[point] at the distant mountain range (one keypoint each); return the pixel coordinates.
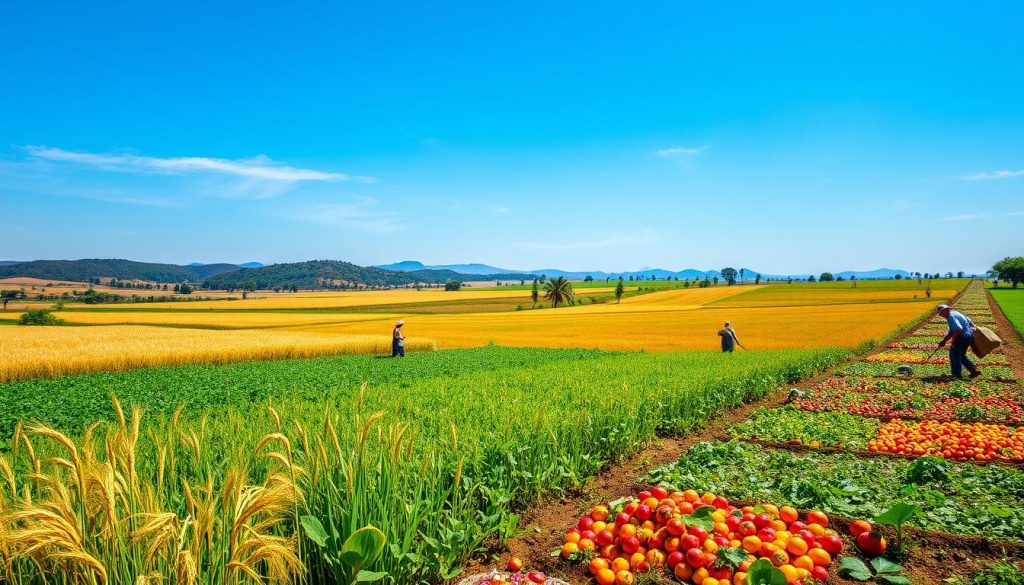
(336, 273)
(643, 273)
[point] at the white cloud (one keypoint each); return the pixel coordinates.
(993, 175)
(500, 210)
(967, 217)
(680, 151)
(359, 216)
(260, 167)
(616, 242)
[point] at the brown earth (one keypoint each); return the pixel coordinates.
(932, 558)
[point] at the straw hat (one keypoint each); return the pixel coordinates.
(399, 323)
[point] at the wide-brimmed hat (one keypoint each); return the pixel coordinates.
(399, 323)
(941, 308)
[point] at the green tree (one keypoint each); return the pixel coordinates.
(588, 279)
(1011, 269)
(810, 278)
(185, 289)
(757, 279)
(743, 272)
(535, 292)
(826, 277)
(729, 274)
(452, 285)
(716, 280)
(39, 317)
(6, 296)
(620, 288)
(558, 291)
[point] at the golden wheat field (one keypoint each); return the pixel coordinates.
(118, 337)
(31, 352)
(333, 299)
(655, 328)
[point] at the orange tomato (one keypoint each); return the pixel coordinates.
(683, 571)
(623, 578)
(797, 546)
(788, 514)
(605, 577)
(597, 563)
(816, 517)
(803, 562)
(752, 544)
(691, 496)
(569, 549)
(820, 557)
(620, 564)
(790, 572)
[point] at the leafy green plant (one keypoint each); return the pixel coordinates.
(896, 517)
(880, 569)
(763, 572)
(347, 559)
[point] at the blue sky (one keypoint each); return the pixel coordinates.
(784, 136)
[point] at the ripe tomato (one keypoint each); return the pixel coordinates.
(871, 542)
(858, 526)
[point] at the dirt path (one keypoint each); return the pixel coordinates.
(544, 524)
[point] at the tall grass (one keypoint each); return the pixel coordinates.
(439, 462)
(33, 352)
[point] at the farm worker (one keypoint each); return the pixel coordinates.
(961, 333)
(728, 336)
(398, 340)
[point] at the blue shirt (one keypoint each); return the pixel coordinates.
(959, 322)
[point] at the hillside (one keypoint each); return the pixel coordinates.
(83, 270)
(312, 274)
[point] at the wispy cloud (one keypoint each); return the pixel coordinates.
(616, 242)
(680, 151)
(260, 167)
(498, 209)
(967, 217)
(993, 175)
(357, 216)
(983, 215)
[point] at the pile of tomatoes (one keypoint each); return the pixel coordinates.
(701, 539)
(952, 440)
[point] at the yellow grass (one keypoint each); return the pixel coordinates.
(29, 352)
(211, 320)
(781, 295)
(334, 299)
(651, 329)
(766, 317)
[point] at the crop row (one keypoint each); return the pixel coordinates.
(975, 499)
(973, 401)
(437, 452)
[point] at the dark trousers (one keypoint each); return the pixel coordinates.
(958, 359)
(397, 349)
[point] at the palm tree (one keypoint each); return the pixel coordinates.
(558, 290)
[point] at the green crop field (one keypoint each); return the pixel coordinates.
(1011, 301)
(437, 450)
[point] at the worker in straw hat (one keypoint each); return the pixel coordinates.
(961, 333)
(729, 339)
(398, 340)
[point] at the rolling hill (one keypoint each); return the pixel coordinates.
(83, 270)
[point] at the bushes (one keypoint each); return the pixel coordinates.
(39, 317)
